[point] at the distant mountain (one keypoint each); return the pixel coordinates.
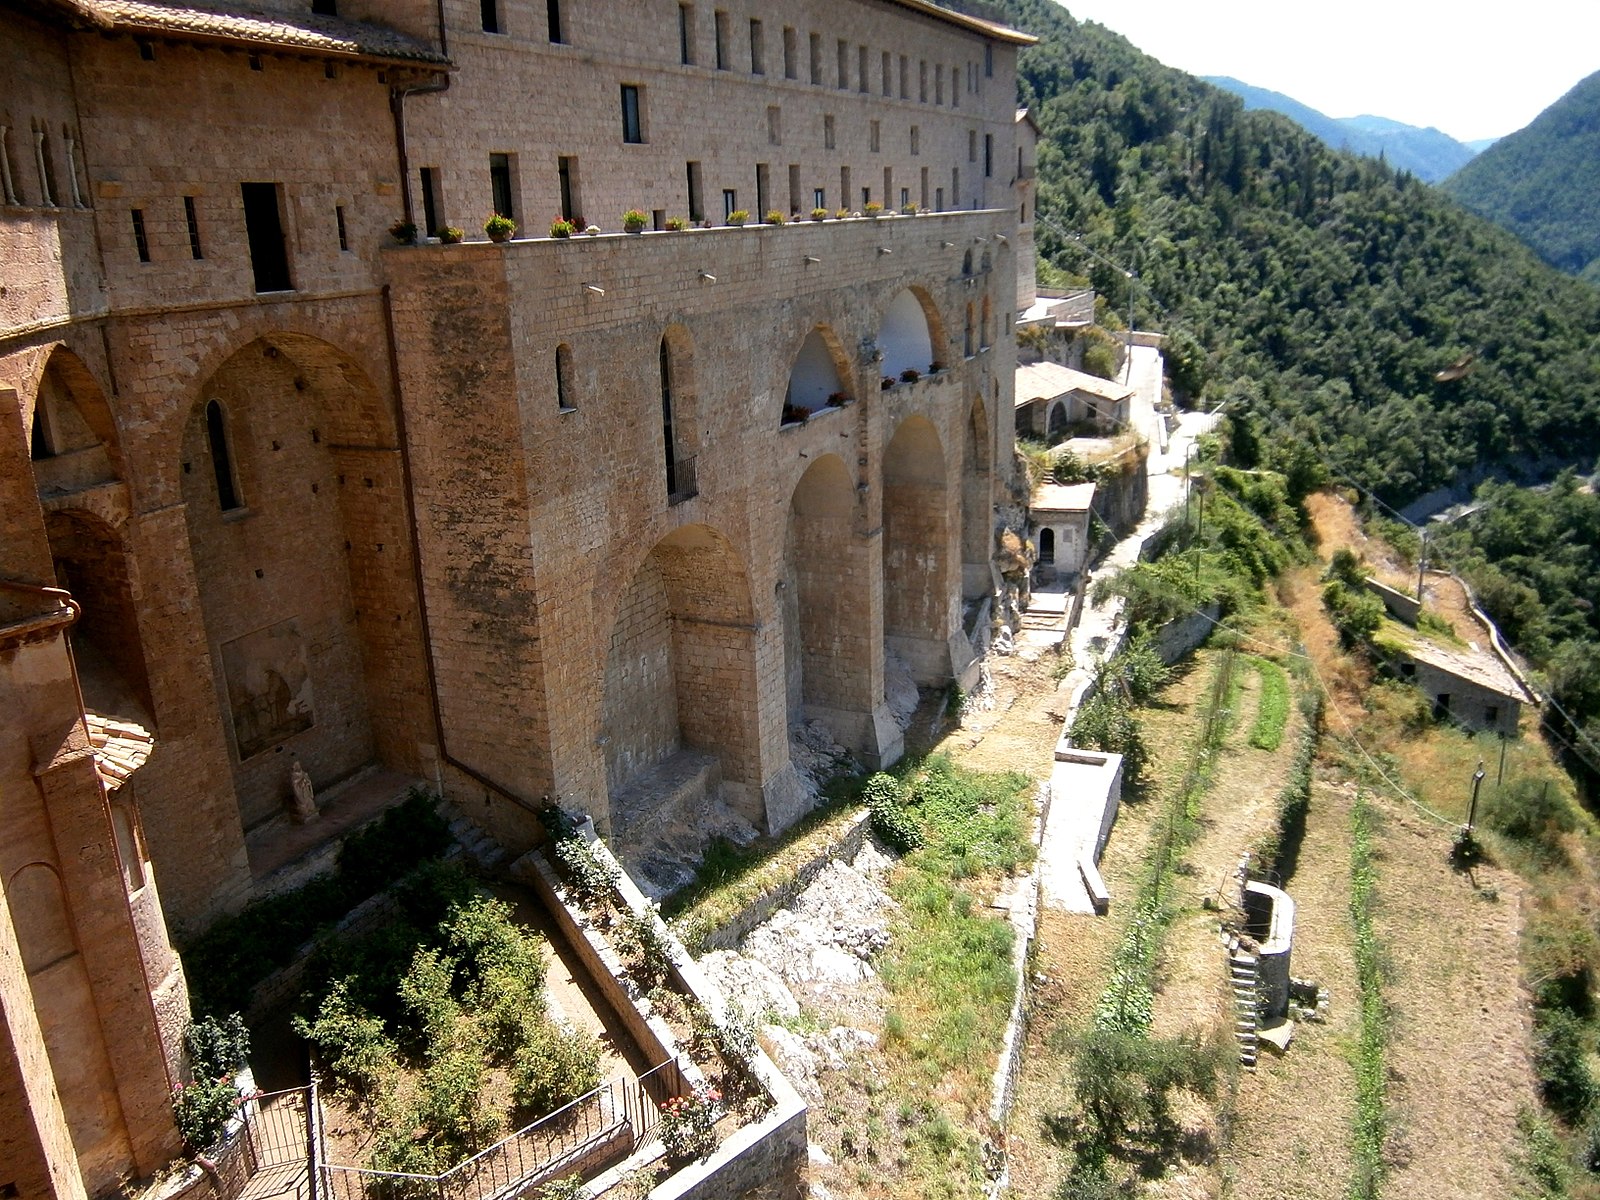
(1426, 153)
(1543, 182)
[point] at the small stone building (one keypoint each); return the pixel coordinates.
(1463, 683)
(1058, 518)
(1051, 401)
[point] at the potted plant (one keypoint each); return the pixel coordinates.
(404, 232)
(887, 383)
(872, 208)
(776, 217)
(910, 375)
(677, 224)
(634, 220)
(935, 367)
(449, 235)
(499, 228)
(838, 399)
(562, 228)
(793, 414)
(908, 209)
(738, 216)
(842, 214)
(819, 214)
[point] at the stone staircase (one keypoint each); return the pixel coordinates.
(480, 850)
(1245, 979)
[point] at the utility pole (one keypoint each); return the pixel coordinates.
(1501, 778)
(1477, 782)
(1188, 486)
(1422, 562)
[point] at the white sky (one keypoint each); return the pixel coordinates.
(1467, 67)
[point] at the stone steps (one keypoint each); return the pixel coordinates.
(1245, 980)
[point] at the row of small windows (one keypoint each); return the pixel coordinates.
(853, 63)
(493, 19)
(264, 234)
(46, 189)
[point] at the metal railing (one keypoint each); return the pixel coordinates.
(681, 483)
(623, 1110)
(273, 1151)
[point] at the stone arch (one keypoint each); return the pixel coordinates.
(39, 911)
(910, 333)
(305, 590)
(968, 342)
(818, 373)
(977, 505)
(1056, 425)
(1047, 546)
(92, 562)
(678, 709)
(72, 435)
(916, 553)
(680, 424)
(815, 599)
(985, 328)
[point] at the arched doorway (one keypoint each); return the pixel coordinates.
(298, 529)
(92, 563)
(917, 592)
(678, 716)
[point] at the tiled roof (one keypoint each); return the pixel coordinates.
(994, 29)
(1062, 497)
(1047, 380)
(272, 30)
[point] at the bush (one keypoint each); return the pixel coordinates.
(1530, 811)
(888, 820)
(554, 1067)
(688, 1124)
(351, 1041)
(645, 949)
(1356, 614)
(1560, 1060)
(201, 1110)
(1124, 1084)
(216, 1047)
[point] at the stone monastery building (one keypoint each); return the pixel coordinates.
(598, 519)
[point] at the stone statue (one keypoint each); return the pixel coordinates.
(304, 810)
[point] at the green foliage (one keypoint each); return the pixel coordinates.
(687, 1127)
(972, 824)
(1356, 613)
(1561, 1050)
(1371, 1123)
(1124, 1084)
(450, 1102)
(554, 1066)
(225, 964)
(1529, 810)
(351, 1041)
(644, 948)
(1543, 1159)
(201, 1110)
(217, 1047)
(1105, 721)
(1098, 359)
(1272, 707)
(890, 823)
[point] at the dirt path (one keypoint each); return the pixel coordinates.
(1291, 1131)
(1019, 731)
(1459, 1034)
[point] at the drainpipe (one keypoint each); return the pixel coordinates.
(397, 106)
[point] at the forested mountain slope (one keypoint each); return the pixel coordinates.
(1543, 182)
(1322, 293)
(1426, 153)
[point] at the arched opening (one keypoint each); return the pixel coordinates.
(1047, 546)
(1056, 426)
(816, 380)
(92, 563)
(977, 506)
(221, 457)
(904, 338)
(307, 595)
(678, 717)
(565, 400)
(967, 343)
(984, 326)
(679, 434)
(69, 1019)
(917, 596)
(72, 438)
(966, 263)
(816, 608)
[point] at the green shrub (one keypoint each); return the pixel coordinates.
(1530, 811)
(351, 1041)
(645, 949)
(425, 995)
(554, 1067)
(1560, 1060)
(888, 819)
(1125, 1083)
(1272, 709)
(217, 1047)
(450, 1102)
(201, 1110)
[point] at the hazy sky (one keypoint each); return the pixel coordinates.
(1472, 69)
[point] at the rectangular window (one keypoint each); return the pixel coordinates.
(430, 200)
(905, 197)
(730, 202)
(774, 125)
(344, 233)
(686, 34)
(866, 197)
(844, 186)
(632, 115)
(141, 243)
(721, 19)
(938, 200)
(888, 185)
(758, 49)
(922, 199)
(827, 132)
(816, 59)
(905, 77)
(763, 191)
(490, 11)
(972, 145)
(567, 176)
(874, 135)
(888, 73)
(955, 187)
(790, 53)
(938, 83)
(192, 220)
(916, 140)
(819, 197)
(697, 208)
(794, 188)
(263, 225)
(922, 81)
(552, 16)
(502, 193)
(955, 86)
(862, 85)
(988, 61)
(844, 64)
(988, 155)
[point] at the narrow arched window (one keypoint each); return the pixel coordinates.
(968, 345)
(667, 435)
(564, 398)
(1047, 546)
(221, 459)
(39, 441)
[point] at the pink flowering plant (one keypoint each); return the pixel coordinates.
(688, 1123)
(217, 1052)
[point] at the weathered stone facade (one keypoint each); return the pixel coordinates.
(529, 519)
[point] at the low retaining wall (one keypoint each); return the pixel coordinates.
(1401, 606)
(1177, 638)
